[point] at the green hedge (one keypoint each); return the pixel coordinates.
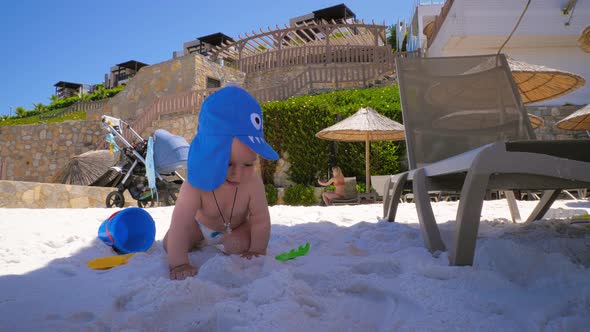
(291, 125)
(272, 194)
(300, 194)
(79, 116)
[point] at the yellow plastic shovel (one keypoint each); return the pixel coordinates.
(105, 263)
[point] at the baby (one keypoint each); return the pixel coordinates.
(223, 201)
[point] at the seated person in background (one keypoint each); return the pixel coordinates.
(338, 181)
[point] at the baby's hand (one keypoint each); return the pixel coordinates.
(182, 271)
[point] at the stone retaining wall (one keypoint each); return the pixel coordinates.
(551, 115)
(36, 152)
(283, 75)
(35, 195)
(178, 75)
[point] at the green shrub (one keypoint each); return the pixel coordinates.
(272, 194)
(11, 121)
(24, 117)
(300, 194)
(361, 187)
(291, 125)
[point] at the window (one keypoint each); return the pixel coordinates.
(213, 83)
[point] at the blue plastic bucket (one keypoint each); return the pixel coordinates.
(129, 230)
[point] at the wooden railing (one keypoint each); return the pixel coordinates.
(291, 88)
(182, 103)
(410, 54)
(362, 73)
(438, 21)
(83, 105)
(318, 54)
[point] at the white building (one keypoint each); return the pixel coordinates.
(547, 34)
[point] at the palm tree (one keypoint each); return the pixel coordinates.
(39, 108)
(20, 111)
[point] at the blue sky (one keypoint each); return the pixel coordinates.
(44, 42)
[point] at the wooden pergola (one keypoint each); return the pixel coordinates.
(326, 34)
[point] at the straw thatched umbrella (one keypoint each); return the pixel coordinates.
(85, 168)
(366, 125)
(534, 82)
(536, 121)
(428, 29)
(482, 118)
(537, 83)
(579, 120)
(584, 40)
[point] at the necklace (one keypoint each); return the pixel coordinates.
(228, 224)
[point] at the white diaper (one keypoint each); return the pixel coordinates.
(211, 237)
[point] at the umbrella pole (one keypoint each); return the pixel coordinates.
(367, 177)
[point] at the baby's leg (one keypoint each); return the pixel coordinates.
(238, 241)
(196, 237)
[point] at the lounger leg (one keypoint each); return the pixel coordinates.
(393, 191)
(387, 196)
(430, 231)
(512, 206)
(549, 196)
(468, 217)
(567, 193)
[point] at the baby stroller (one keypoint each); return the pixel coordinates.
(170, 153)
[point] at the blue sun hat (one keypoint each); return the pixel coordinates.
(230, 112)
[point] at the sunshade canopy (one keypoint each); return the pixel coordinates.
(534, 82)
(579, 120)
(85, 168)
(536, 121)
(584, 40)
(365, 125)
(537, 83)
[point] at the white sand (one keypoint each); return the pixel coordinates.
(361, 274)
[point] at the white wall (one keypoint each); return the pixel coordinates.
(426, 14)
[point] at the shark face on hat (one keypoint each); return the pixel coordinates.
(230, 112)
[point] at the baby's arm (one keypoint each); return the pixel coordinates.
(179, 234)
(259, 220)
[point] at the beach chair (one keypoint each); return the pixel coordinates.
(467, 132)
(351, 194)
(378, 183)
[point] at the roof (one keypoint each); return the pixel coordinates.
(132, 64)
(335, 12)
(68, 85)
(215, 38)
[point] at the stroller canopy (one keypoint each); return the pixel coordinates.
(170, 151)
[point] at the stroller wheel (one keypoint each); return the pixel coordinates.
(115, 199)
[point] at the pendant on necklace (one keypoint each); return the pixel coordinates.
(227, 229)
